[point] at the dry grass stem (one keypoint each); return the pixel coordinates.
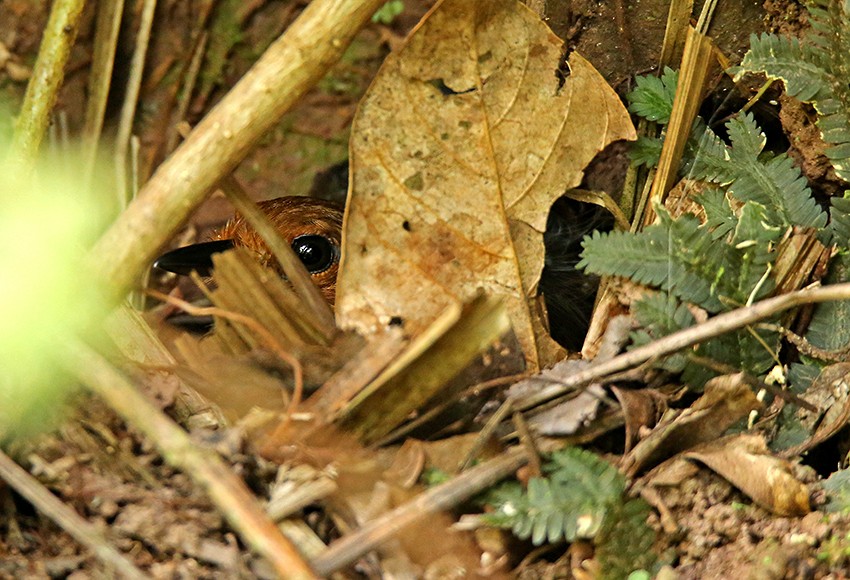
(131, 98)
(103, 60)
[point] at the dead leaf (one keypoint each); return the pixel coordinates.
(642, 408)
(831, 392)
(567, 417)
(745, 462)
(464, 140)
(726, 400)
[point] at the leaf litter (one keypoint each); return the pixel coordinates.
(398, 235)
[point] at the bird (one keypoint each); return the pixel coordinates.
(313, 227)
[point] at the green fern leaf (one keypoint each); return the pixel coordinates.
(646, 151)
(838, 232)
(752, 255)
(675, 255)
(572, 502)
(789, 60)
(659, 315)
(776, 184)
(625, 543)
(720, 218)
(816, 71)
(829, 328)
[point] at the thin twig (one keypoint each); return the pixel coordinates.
(347, 549)
(484, 435)
(206, 468)
(65, 517)
(720, 324)
(100, 78)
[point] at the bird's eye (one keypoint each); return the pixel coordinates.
(316, 252)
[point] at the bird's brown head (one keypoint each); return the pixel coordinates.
(313, 227)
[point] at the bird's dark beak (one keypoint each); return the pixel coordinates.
(197, 257)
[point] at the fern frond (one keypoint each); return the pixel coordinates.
(659, 315)
(675, 255)
(572, 502)
(829, 328)
(789, 60)
(839, 222)
(625, 543)
(720, 218)
(753, 255)
(776, 184)
(815, 71)
(646, 151)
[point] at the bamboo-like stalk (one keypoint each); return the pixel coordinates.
(207, 469)
(47, 76)
(100, 78)
(128, 108)
(694, 70)
(291, 65)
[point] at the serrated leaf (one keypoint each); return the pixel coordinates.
(653, 97)
(839, 222)
(719, 216)
(779, 57)
(814, 70)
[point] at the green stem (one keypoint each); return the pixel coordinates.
(47, 77)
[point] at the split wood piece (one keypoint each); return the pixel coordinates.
(291, 65)
(433, 358)
(319, 312)
(363, 368)
(689, 91)
(246, 287)
(206, 468)
(675, 33)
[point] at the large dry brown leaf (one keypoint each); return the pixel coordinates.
(459, 148)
